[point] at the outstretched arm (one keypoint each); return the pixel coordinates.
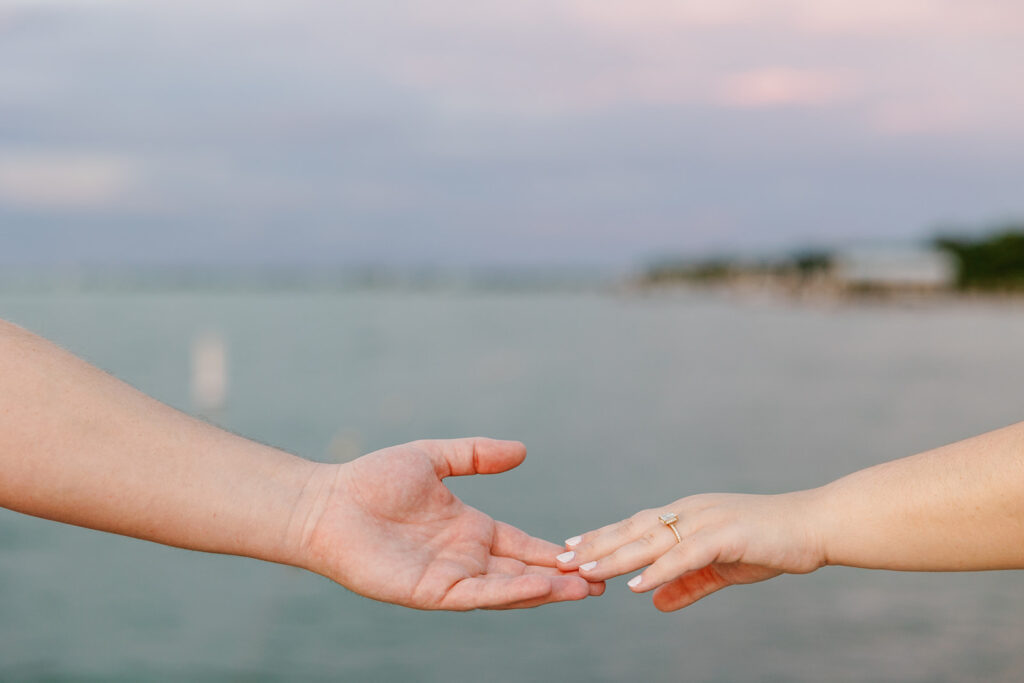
(79, 446)
(955, 508)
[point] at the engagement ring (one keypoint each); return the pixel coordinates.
(669, 519)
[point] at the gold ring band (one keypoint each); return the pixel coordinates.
(669, 519)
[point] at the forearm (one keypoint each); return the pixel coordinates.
(79, 446)
(955, 508)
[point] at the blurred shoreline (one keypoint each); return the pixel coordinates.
(749, 287)
(754, 291)
(953, 266)
(237, 279)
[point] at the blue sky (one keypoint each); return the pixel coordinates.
(448, 133)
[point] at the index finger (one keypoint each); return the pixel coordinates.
(594, 545)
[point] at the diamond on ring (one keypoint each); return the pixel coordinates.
(669, 519)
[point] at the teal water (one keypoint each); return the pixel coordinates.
(624, 401)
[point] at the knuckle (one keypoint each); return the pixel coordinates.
(699, 500)
(679, 552)
(628, 525)
(638, 522)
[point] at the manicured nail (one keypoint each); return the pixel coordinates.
(574, 541)
(587, 566)
(565, 557)
(635, 581)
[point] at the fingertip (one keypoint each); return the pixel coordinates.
(597, 588)
(685, 590)
(573, 588)
(477, 455)
(565, 558)
(662, 606)
(664, 601)
(582, 588)
(495, 455)
(511, 446)
(578, 550)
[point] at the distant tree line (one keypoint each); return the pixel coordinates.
(991, 262)
(800, 264)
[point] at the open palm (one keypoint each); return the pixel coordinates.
(388, 528)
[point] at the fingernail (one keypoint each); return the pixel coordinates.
(574, 541)
(587, 566)
(565, 557)
(635, 581)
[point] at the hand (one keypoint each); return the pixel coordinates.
(727, 539)
(386, 527)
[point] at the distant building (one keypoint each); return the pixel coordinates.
(894, 269)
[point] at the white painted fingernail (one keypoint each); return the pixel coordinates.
(574, 541)
(635, 581)
(587, 566)
(565, 557)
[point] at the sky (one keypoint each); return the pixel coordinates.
(445, 133)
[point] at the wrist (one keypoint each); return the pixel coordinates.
(316, 484)
(805, 518)
(820, 524)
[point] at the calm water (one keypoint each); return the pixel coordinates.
(624, 401)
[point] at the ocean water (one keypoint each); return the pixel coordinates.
(624, 401)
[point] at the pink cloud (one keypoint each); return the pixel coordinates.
(782, 87)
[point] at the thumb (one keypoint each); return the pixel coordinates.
(688, 589)
(477, 455)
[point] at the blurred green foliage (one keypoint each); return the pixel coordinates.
(802, 263)
(992, 262)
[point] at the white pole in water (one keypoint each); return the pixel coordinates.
(209, 372)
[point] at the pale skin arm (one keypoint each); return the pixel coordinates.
(955, 508)
(81, 447)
